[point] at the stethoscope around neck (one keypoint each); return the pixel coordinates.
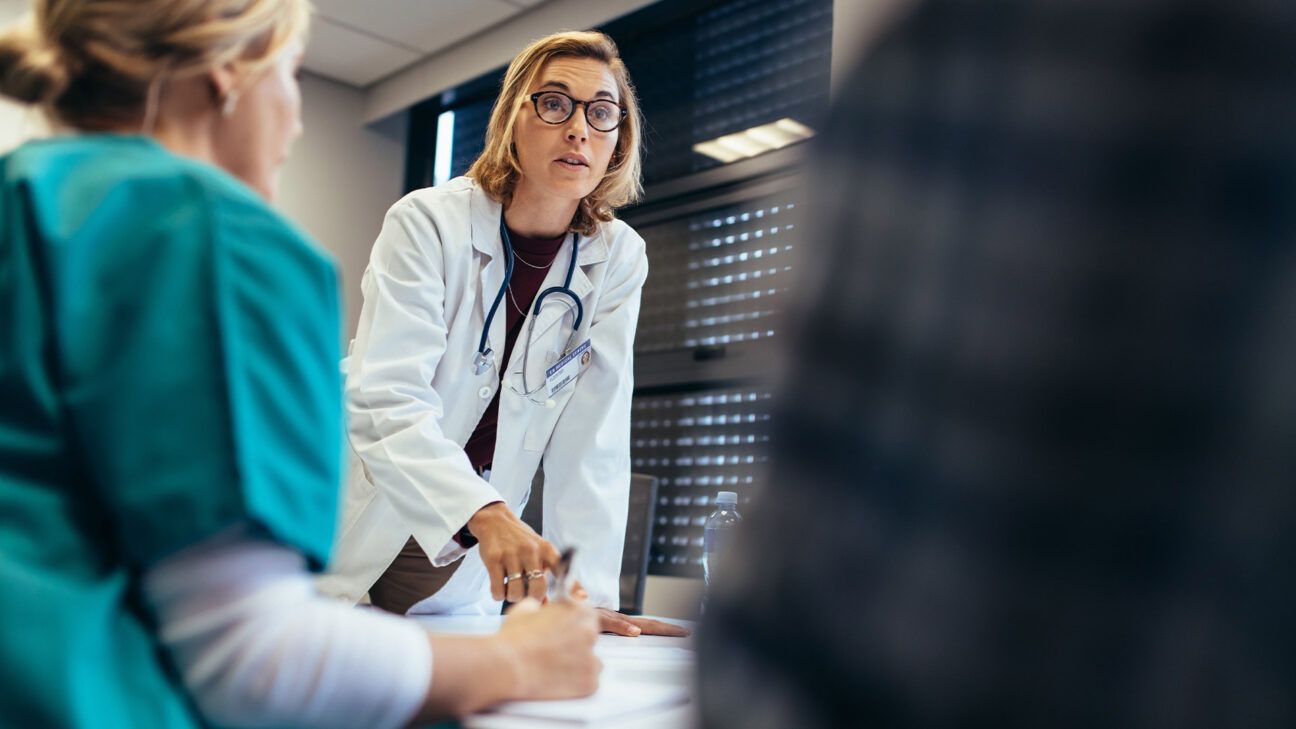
(482, 360)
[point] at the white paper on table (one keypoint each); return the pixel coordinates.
(460, 624)
(611, 701)
(635, 654)
(645, 648)
(646, 641)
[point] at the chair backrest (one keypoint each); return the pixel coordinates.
(634, 558)
(639, 520)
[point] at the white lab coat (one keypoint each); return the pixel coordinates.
(413, 399)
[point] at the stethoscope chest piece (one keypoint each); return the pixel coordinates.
(481, 362)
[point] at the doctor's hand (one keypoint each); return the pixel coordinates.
(515, 556)
(611, 621)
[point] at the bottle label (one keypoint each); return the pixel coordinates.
(716, 541)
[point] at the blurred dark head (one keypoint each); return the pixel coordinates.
(1036, 459)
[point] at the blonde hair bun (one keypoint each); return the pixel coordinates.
(31, 71)
(91, 64)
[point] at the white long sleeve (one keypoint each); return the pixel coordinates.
(395, 413)
(256, 646)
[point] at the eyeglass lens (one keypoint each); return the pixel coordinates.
(555, 108)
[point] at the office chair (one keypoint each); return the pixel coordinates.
(634, 558)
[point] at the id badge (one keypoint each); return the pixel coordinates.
(566, 369)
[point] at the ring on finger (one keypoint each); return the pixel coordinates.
(532, 575)
(512, 578)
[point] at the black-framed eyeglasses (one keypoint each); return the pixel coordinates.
(555, 107)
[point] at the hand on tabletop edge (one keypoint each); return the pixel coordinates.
(611, 621)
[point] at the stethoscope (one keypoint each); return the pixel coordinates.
(482, 361)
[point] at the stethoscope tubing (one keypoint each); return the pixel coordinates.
(482, 350)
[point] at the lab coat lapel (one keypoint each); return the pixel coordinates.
(486, 242)
(593, 250)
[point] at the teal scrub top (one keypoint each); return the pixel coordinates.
(168, 368)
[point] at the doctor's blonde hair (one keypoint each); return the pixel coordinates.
(497, 169)
(98, 64)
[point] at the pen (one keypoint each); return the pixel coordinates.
(562, 574)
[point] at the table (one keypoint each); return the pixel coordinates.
(627, 662)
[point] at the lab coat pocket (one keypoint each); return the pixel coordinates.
(541, 424)
(546, 408)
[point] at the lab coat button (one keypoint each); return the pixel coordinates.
(484, 393)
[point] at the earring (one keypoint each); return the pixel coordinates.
(227, 106)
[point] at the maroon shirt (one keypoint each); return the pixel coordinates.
(524, 286)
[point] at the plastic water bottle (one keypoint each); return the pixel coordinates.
(719, 531)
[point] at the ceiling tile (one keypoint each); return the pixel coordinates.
(422, 25)
(354, 58)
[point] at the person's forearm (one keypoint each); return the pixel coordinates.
(256, 647)
(469, 674)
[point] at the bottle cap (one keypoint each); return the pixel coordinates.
(727, 497)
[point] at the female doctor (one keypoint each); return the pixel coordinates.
(496, 332)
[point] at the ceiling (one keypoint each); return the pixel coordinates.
(359, 43)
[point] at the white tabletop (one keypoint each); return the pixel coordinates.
(627, 663)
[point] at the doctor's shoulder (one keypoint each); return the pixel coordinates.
(431, 215)
(621, 237)
(626, 248)
(453, 193)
